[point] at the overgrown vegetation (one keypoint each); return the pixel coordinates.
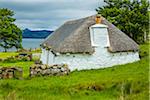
(128, 82)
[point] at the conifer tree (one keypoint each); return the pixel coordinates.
(130, 16)
(10, 34)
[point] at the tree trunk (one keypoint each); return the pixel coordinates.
(5, 50)
(5, 47)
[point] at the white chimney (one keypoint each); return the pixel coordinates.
(99, 34)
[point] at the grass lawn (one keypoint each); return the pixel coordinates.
(129, 81)
(4, 55)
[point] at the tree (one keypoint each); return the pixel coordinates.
(10, 34)
(130, 16)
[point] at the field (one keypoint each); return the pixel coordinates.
(128, 82)
(4, 55)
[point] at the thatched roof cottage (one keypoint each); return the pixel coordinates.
(89, 44)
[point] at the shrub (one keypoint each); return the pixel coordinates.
(14, 59)
(10, 59)
(1, 59)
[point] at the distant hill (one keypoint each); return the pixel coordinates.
(35, 34)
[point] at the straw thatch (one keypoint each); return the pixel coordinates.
(74, 37)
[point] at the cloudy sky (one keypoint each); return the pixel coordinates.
(49, 14)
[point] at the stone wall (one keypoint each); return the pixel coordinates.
(46, 70)
(11, 72)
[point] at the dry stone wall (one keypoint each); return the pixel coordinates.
(11, 72)
(35, 70)
(46, 70)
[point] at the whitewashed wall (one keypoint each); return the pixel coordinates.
(100, 59)
(85, 61)
(44, 56)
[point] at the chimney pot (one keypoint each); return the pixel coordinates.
(98, 19)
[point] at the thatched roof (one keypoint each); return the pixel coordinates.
(74, 37)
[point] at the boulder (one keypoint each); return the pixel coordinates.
(11, 72)
(43, 67)
(10, 75)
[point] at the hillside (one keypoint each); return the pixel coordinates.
(36, 34)
(129, 81)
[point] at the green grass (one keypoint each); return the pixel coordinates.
(24, 65)
(4, 55)
(101, 84)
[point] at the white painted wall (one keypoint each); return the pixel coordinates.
(51, 58)
(99, 35)
(100, 59)
(85, 61)
(47, 57)
(44, 56)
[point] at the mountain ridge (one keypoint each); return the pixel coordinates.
(27, 33)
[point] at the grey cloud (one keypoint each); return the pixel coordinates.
(54, 14)
(49, 14)
(50, 5)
